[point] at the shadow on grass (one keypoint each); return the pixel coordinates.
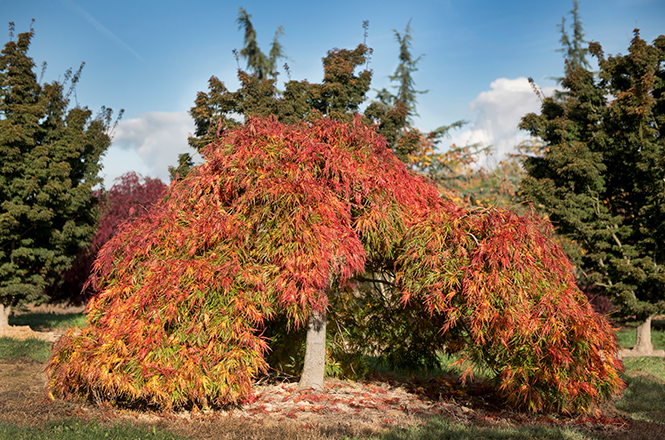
(35, 349)
(48, 320)
(442, 429)
(644, 398)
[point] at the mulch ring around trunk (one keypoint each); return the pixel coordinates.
(372, 407)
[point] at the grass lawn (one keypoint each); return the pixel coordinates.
(27, 349)
(48, 320)
(443, 429)
(74, 429)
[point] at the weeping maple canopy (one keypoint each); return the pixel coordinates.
(278, 217)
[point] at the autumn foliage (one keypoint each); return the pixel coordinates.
(278, 219)
(130, 197)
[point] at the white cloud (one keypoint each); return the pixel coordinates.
(148, 144)
(498, 112)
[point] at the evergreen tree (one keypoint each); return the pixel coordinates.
(601, 177)
(392, 115)
(338, 96)
(50, 163)
(406, 90)
(573, 47)
(258, 63)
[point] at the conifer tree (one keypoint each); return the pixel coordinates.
(392, 115)
(260, 65)
(50, 163)
(406, 90)
(338, 96)
(573, 47)
(601, 177)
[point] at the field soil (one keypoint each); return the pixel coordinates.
(279, 410)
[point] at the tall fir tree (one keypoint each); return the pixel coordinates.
(50, 163)
(406, 90)
(601, 177)
(260, 65)
(392, 114)
(573, 46)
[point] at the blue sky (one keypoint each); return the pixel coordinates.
(152, 57)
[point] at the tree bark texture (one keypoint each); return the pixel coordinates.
(4, 315)
(643, 345)
(643, 342)
(315, 353)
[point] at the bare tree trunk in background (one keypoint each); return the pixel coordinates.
(315, 353)
(4, 315)
(643, 345)
(643, 342)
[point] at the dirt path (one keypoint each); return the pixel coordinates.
(25, 332)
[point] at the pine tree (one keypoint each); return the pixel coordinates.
(601, 177)
(575, 49)
(392, 115)
(50, 163)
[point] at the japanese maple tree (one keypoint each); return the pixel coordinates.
(130, 197)
(279, 219)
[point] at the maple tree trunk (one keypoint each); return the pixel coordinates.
(315, 353)
(4, 315)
